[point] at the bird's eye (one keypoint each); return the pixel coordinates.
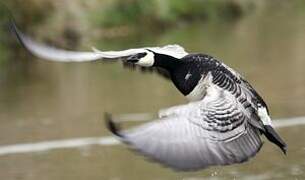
(135, 58)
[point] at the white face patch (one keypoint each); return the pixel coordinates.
(147, 60)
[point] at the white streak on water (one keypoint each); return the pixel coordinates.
(281, 123)
(102, 141)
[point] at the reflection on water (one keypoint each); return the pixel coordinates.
(42, 101)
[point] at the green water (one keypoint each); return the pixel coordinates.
(42, 100)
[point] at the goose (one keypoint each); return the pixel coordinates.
(222, 124)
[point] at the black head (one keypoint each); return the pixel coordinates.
(136, 58)
(145, 59)
(151, 58)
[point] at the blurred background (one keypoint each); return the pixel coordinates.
(42, 101)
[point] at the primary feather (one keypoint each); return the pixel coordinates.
(214, 131)
(54, 54)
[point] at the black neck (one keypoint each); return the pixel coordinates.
(178, 70)
(167, 62)
(186, 77)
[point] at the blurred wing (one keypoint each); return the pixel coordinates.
(55, 54)
(170, 50)
(50, 53)
(214, 131)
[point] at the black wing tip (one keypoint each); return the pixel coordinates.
(13, 26)
(111, 125)
(15, 31)
(272, 136)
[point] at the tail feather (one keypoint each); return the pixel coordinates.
(272, 136)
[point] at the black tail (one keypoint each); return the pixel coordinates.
(272, 136)
(110, 124)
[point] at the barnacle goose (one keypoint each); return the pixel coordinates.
(222, 124)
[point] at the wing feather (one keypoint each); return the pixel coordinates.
(199, 138)
(54, 54)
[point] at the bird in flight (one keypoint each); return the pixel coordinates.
(222, 123)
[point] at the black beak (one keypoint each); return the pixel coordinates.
(135, 58)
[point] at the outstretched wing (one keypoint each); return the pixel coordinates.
(214, 131)
(54, 54)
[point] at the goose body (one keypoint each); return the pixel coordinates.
(222, 124)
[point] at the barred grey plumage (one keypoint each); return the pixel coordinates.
(214, 131)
